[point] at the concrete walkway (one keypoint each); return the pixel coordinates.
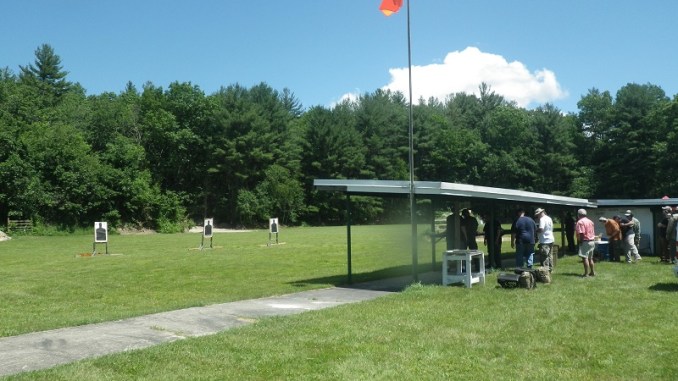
(40, 350)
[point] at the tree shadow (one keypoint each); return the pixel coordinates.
(393, 279)
(666, 287)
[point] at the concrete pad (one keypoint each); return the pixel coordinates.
(40, 350)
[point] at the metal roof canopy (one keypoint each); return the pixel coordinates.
(638, 202)
(435, 189)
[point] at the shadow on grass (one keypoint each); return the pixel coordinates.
(573, 275)
(666, 287)
(389, 279)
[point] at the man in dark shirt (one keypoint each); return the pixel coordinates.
(522, 239)
(492, 239)
(663, 242)
(469, 230)
(569, 233)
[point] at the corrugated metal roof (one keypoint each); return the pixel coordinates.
(638, 202)
(442, 189)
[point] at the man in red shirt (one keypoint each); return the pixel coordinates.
(585, 236)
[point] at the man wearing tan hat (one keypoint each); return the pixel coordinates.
(546, 238)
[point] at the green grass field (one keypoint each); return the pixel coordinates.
(619, 325)
(46, 284)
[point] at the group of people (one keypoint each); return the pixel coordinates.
(623, 236)
(526, 232)
(468, 232)
(623, 233)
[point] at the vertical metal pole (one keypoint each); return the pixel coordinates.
(492, 235)
(433, 232)
(348, 236)
(413, 203)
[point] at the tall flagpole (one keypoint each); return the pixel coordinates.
(389, 7)
(413, 203)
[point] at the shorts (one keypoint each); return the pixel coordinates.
(586, 249)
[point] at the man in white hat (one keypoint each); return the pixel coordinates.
(546, 238)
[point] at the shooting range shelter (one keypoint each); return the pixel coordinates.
(441, 194)
(647, 211)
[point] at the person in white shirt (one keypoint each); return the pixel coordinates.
(546, 239)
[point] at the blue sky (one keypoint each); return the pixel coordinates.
(530, 51)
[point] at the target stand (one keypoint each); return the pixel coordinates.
(270, 239)
(202, 243)
(94, 247)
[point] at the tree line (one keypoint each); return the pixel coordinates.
(163, 158)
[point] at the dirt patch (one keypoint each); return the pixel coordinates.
(128, 231)
(198, 229)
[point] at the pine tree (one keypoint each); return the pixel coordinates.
(46, 73)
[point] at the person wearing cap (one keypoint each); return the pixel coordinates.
(613, 232)
(628, 236)
(636, 228)
(671, 234)
(661, 233)
(546, 238)
(586, 235)
(522, 238)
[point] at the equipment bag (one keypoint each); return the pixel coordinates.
(526, 280)
(543, 275)
(540, 274)
(508, 280)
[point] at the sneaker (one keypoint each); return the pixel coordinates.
(638, 258)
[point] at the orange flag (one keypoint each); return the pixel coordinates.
(389, 7)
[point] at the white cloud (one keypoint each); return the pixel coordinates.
(464, 71)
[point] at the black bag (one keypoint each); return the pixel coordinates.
(506, 280)
(521, 279)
